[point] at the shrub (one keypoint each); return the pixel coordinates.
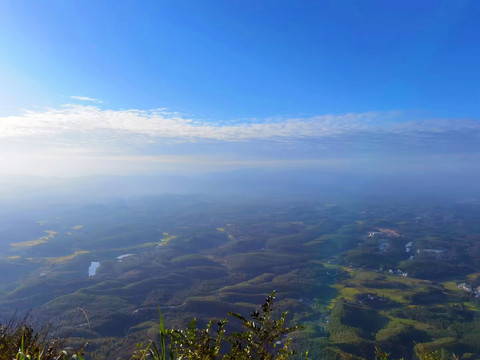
(20, 341)
(261, 338)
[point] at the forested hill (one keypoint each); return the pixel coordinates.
(353, 273)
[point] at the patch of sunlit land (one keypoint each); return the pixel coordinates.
(361, 281)
(50, 235)
(473, 276)
(78, 227)
(468, 305)
(60, 259)
(14, 257)
(28, 243)
(168, 237)
(450, 285)
(389, 232)
(419, 325)
(222, 230)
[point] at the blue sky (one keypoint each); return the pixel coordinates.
(118, 86)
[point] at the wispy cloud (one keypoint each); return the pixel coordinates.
(86, 98)
(149, 125)
(142, 140)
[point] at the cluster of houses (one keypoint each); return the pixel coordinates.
(383, 243)
(371, 299)
(397, 272)
(470, 289)
(384, 234)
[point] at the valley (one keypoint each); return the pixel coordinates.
(355, 273)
